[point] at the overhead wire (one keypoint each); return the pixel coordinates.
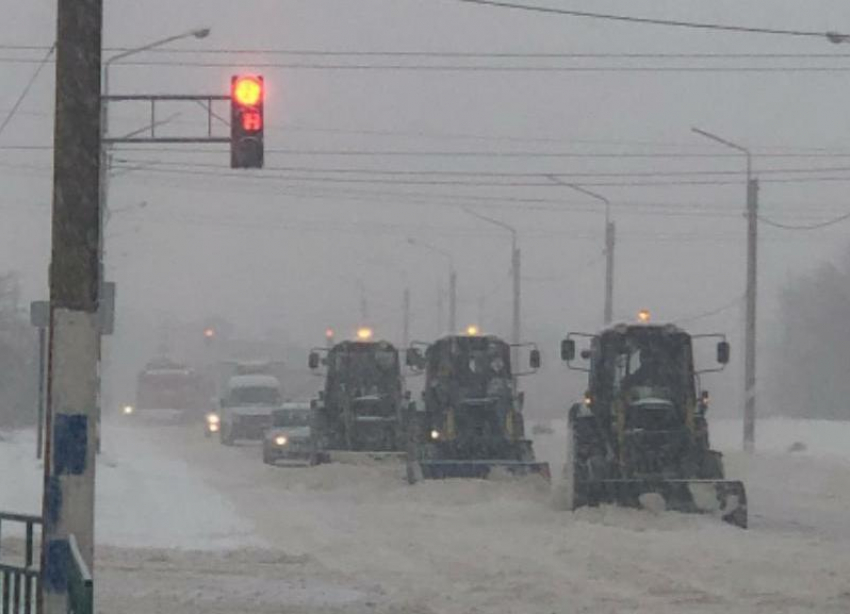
(27, 87)
(816, 226)
(466, 68)
(175, 169)
(713, 312)
(512, 174)
(431, 53)
(674, 23)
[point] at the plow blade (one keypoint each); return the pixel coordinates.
(479, 469)
(726, 499)
(347, 457)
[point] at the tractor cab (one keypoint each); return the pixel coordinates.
(360, 407)
(642, 428)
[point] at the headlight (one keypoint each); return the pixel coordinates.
(128, 409)
(280, 440)
(213, 427)
(213, 419)
(435, 434)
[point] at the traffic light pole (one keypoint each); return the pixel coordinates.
(73, 379)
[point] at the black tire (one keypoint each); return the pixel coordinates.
(268, 459)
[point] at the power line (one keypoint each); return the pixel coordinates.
(835, 37)
(390, 153)
(498, 173)
(469, 68)
(482, 68)
(832, 222)
(707, 314)
(492, 184)
(416, 53)
(11, 114)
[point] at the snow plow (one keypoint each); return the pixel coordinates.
(470, 424)
(360, 416)
(640, 436)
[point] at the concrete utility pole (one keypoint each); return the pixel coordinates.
(441, 329)
(69, 468)
(752, 291)
(516, 274)
(516, 271)
(453, 301)
(610, 246)
(752, 295)
(405, 342)
(452, 280)
(364, 303)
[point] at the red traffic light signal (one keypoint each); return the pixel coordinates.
(247, 97)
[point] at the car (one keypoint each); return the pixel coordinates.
(246, 409)
(289, 438)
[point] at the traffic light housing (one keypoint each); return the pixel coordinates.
(247, 123)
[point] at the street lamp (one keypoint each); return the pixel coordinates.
(610, 244)
(752, 289)
(199, 33)
(516, 271)
(452, 278)
(105, 156)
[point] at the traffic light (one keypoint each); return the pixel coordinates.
(247, 95)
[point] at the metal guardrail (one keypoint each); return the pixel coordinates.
(80, 583)
(19, 583)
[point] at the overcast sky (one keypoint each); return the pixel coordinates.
(290, 247)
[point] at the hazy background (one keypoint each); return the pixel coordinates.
(292, 249)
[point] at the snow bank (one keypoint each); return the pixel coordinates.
(146, 495)
(819, 438)
(359, 539)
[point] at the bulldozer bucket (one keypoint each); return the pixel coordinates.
(726, 499)
(480, 469)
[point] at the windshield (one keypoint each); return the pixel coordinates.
(291, 417)
(254, 395)
(369, 370)
(471, 358)
(645, 366)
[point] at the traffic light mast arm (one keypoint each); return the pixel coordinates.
(206, 101)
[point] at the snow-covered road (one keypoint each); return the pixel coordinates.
(193, 526)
